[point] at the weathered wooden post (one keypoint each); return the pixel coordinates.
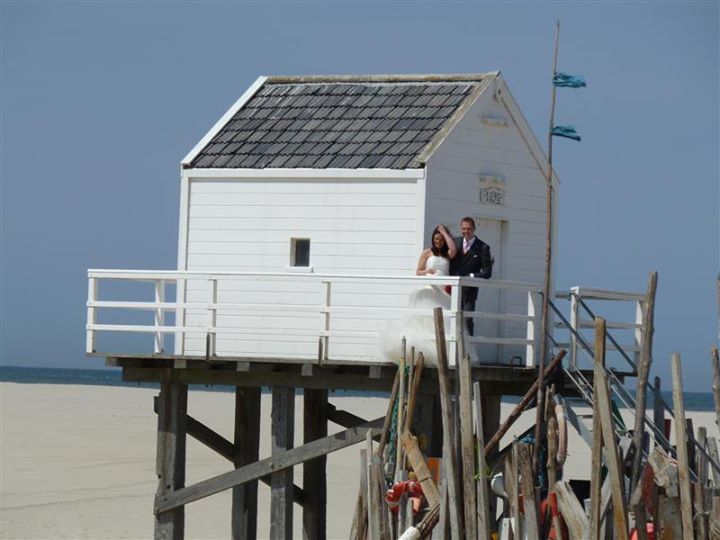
(597, 442)
(483, 499)
(449, 462)
(170, 464)
(247, 444)
(314, 480)
(682, 454)
(281, 483)
(715, 359)
(467, 447)
(612, 458)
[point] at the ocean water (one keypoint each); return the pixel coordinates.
(694, 401)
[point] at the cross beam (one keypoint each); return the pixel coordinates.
(264, 467)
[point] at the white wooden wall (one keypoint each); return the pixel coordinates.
(475, 150)
(355, 225)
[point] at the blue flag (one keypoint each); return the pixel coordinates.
(566, 131)
(563, 80)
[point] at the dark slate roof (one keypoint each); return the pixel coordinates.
(293, 123)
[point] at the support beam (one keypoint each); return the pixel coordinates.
(170, 465)
(253, 471)
(314, 480)
(245, 450)
(281, 482)
(341, 418)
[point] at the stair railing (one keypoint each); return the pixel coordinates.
(616, 387)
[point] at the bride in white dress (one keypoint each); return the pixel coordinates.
(434, 261)
(418, 328)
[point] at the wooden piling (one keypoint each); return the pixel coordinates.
(314, 479)
(170, 463)
(681, 446)
(281, 482)
(246, 444)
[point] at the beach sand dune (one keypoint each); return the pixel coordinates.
(79, 462)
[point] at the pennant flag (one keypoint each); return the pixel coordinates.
(563, 80)
(566, 131)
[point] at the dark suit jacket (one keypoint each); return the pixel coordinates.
(477, 261)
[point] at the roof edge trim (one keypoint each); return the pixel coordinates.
(318, 174)
(450, 77)
(249, 93)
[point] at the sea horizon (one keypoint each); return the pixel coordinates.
(694, 401)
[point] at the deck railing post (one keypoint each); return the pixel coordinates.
(159, 315)
(180, 287)
(574, 324)
(211, 349)
(533, 325)
(91, 315)
(326, 292)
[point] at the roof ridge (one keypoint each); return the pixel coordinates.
(382, 78)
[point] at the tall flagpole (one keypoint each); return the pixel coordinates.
(548, 264)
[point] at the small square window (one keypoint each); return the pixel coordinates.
(299, 252)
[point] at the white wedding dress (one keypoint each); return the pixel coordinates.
(418, 326)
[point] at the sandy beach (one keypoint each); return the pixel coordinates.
(78, 462)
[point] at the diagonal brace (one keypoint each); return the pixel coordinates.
(257, 470)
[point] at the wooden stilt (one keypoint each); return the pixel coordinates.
(246, 444)
(170, 465)
(314, 481)
(281, 483)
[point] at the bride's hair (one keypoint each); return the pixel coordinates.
(443, 251)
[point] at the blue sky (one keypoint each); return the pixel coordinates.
(101, 100)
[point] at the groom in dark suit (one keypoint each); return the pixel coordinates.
(473, 259)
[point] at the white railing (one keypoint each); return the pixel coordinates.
(330, 305)
(582, 299)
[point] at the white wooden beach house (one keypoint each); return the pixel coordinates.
(305, 207)
(312, 192)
